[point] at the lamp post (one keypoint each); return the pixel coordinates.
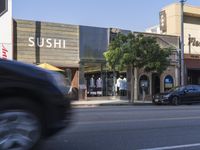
(182, 44)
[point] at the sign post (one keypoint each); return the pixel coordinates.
(182, 43)
(6, 29)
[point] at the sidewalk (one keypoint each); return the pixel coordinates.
(107, 101)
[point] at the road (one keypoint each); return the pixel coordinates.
(130, 128)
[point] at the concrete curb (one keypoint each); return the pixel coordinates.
(112, 104)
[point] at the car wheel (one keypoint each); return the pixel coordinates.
(175, 100)
(20, 125)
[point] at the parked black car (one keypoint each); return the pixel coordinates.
(184, 94)
(33, 104)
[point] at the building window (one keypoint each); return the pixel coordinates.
(168, 82)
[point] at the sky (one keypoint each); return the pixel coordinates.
(135, 15)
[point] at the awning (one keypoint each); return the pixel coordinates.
(49, 67)
(192, 63)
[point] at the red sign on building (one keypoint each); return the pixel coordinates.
(4, 52)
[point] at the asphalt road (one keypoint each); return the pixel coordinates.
(130, 128)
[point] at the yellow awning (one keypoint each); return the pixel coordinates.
(49, 67)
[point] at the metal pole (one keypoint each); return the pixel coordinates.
(182, 44)
(189, 43)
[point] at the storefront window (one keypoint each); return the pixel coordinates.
(168, 82)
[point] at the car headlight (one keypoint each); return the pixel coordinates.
(60, 82)
(166, 96)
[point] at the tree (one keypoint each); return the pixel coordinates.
(115, 52)
(137, 51)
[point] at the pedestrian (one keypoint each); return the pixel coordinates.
(120, 85)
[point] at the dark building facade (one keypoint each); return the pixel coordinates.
(42, 42)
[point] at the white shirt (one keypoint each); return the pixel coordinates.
(118, 82)
(99, 82)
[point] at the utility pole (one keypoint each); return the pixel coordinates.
(182, 44)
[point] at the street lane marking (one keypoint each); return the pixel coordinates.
(138, 120)
(173, 147)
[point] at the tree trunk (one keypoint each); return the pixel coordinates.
(132, 83)
(114, 82)
(135, 84)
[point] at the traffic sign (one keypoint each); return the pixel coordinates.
(3, 7)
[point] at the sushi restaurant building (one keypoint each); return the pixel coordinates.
(76, 50)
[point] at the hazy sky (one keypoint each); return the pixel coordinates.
(135, 15)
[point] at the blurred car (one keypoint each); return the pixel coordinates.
(184, 94)
(33, 104)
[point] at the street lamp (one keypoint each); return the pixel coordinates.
(182, 44)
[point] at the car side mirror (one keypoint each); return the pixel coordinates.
(185, 91)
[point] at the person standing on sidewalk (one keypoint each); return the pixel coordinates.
(120, 85)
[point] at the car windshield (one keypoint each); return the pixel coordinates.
(175, 89)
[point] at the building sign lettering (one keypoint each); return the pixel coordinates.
(163, 21)
(6, 30)
(4, 52)
(194, 42)
(47, 42)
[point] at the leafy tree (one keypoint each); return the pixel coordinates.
(139, 51)
(114, 53)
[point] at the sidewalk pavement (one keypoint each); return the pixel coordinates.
(107, 101)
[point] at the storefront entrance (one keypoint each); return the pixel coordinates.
(193, 76)
(155, 84)
(192, 63)
(100, 81)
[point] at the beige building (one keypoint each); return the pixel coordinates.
(170, 24)
(156, 83)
